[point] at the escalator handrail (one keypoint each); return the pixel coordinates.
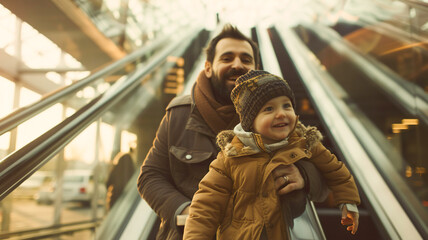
(21, 164)
(402, 91)
(22, 114)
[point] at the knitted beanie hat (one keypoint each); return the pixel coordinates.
(252, 90)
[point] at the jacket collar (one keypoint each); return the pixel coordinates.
(255, 141)
(241, 143)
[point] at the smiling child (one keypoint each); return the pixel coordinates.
(237, 199)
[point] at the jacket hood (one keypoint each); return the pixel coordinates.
(224, 140)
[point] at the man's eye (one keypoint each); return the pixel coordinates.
(247, 60)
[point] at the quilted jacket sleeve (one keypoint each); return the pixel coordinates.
(338, 178)
(209, 202)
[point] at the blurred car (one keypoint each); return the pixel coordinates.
(78, 186)
(30, 187)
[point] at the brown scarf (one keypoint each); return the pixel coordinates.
(217, 116)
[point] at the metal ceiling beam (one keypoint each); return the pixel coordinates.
(68, 27)
(36, 81)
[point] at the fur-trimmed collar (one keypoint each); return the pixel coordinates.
(224, 140)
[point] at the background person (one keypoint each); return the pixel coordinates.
(121, 172)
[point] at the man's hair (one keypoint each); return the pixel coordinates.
(230, 31)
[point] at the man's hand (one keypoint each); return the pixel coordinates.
(185, 211)
(287, 179)
(350, 219)
(181, 219)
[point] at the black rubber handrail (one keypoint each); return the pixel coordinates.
(22, 114)
(21, 164)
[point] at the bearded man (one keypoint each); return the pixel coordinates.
(185, 142)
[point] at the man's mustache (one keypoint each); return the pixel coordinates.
(235, 72)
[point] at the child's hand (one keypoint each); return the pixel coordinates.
(350, 219)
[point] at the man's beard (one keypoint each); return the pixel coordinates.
(221, 89)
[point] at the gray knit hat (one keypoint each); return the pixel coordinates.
(255, 88)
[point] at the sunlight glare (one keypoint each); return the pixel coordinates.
(6, 96)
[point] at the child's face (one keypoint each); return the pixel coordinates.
(275, 120)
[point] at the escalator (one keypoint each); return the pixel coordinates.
(277, 60)
(373, 118)
(336, 119)
(390, 209)
(134, 98)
